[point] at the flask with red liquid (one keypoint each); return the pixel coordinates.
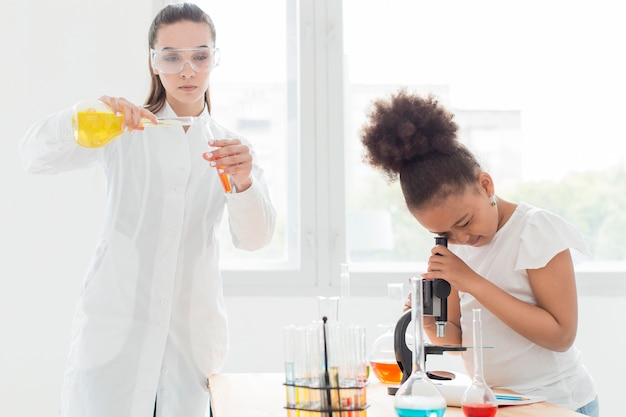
(478, 399)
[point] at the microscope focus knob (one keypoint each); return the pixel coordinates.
(441, 288)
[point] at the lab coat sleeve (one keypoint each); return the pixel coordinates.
(251, 215)
(48, 147)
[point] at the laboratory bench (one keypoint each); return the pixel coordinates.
(263, 395)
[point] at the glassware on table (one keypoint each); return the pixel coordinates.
(383, 361)
(418, 396)
(328, 307)
(478, 399)
(325, 370)
(94, 124)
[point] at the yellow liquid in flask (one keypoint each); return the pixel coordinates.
(94, 129)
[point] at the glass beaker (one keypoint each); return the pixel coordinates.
(418, 396)
(478, 400)
(94, 124)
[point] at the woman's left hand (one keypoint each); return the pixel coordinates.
(234, 159)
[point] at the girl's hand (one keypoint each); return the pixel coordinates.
(131, 113)
(445, 264)
(233, 158)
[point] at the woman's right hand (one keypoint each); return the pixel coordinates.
(132, 113)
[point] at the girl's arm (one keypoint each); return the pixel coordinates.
(552, 323)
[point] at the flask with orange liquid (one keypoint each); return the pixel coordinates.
(383, 361)
(94, 124)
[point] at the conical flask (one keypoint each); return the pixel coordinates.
(418, 396)
(94, 124)
(478, 399)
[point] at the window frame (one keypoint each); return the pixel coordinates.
(317, 159)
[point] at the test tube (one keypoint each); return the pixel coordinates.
(290, 389)
(224, 179)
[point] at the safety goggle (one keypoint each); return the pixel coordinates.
(173, 60)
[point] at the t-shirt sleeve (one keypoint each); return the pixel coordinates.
(546, 235)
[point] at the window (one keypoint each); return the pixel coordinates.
(537, 89)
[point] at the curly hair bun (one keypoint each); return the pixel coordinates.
(405, 128)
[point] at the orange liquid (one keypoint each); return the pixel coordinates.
(225, 181)
(387, 373)
(93, 129)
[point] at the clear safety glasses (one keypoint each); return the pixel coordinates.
(173, 60)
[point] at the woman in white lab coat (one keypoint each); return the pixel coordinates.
(150, 325)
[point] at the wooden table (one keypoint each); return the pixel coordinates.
(263, 395)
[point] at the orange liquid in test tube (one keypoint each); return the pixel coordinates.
(223, 177)
(224, 180)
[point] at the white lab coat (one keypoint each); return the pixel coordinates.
(150, 320)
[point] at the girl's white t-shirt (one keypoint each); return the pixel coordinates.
(529, 240)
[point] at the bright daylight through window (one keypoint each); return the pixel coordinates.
(537, 88)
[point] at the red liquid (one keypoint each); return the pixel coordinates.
(387, 373)
(480, 410)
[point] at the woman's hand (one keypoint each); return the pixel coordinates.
(233, 158)
(131, 113)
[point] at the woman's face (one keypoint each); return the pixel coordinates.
(465, 219)
(185, 90)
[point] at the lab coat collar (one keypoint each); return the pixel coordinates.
(167, 111)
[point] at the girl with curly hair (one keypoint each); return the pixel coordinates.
(512, 260)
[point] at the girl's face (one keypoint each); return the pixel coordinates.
(466, 219)
(185, 91)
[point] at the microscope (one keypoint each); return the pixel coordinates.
(435, 303)
(435, 298)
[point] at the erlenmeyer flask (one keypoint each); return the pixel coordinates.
(418, 396)
(94, 124)
(478, 399)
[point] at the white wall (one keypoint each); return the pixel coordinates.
(54, 53)
(48, 225)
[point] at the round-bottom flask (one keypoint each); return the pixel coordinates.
(418, 396)
(383, 361)
(94, 124)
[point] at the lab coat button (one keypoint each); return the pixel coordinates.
(179, 190)
(163, 301)
(161, 324)
(164, 371)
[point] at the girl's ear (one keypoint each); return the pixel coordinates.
(485, 182)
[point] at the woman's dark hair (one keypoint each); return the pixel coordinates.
(173, 13)
(415, 138)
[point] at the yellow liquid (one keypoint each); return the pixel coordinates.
(93, 129)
